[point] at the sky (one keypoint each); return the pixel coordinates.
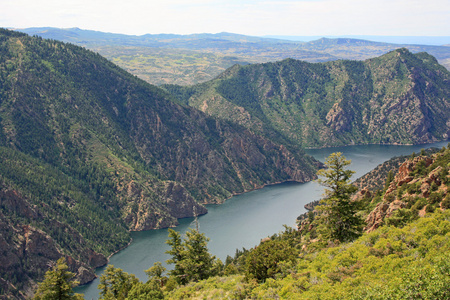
(249, 17)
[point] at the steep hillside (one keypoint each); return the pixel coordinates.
(401, 189)
(379, 178)
(419, 187)
(90, 152)
(409, 262)
(405, 256)
(398, 98)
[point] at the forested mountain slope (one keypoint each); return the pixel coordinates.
(89, 152)
(397, 98)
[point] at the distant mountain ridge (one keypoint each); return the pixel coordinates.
(77, 35)
(189, 59)
(339, 41)
(403, 40)
(397, 98)
(223, 41)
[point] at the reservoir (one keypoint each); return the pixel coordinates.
(244, 220)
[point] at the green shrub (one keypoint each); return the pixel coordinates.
(413, 188)
(420, 203)
(420, 168)
(265, 260)
(430, 208)
(434, 187)
(401, 217)
(401, 190)
(446, 202)
(435, 198)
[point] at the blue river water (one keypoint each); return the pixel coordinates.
(244, 220)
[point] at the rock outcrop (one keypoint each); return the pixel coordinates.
(27, 251)
(382, 210)
(411, 184)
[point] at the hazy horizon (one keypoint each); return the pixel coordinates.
(250, 17)
(418, 40)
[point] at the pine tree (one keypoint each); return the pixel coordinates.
(191, 259)
(156, 272)
(337, 219)
(177, 253)
(198, 262)
(116, 284)
(57, 284)
(389, 178)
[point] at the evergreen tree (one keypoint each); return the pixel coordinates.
(116, 284)
(198, 262)
(191, 259)
(389, 178)
(337, 219)
(177, 253)
(156, 272)
(265, 261)
(57, 284)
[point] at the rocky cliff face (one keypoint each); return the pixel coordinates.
(27, 251)
(142, 214)
(212, 159)
(376, 179)
(420, 185)
(398, 98)
(398, 191)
